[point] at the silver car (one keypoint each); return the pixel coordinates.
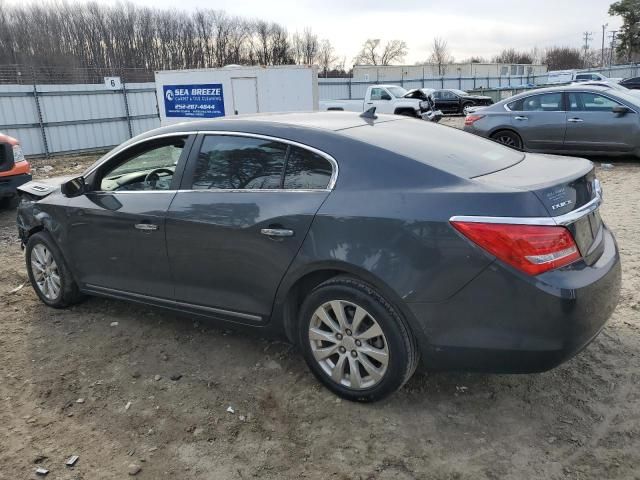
(573, 119)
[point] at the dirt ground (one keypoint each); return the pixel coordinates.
(73, 382)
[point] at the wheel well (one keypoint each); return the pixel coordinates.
(296, 295)
(335, 109)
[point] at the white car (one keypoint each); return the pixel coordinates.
(386, 99)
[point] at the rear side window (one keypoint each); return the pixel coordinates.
(238, 163)
(546, 102)
(306, 170)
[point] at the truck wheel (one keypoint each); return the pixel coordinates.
(406, 113)
(49, 275)
(354, 341)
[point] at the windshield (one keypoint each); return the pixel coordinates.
(460, 92)
(397, 92)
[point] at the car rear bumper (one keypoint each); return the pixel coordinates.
(507, 322)
(9, 184)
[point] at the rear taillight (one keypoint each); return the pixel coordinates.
(533, 249)
(471, 119)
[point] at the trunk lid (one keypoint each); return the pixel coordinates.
(566, 187)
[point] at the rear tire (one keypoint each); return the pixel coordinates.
(508, 139)
(354, 341)
(48, 273)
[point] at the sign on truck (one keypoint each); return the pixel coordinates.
(196, 101)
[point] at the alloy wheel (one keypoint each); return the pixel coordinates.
(507, 140)
(348, 344)
(45, 271)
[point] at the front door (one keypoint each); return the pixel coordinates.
(381, 99)
(117, 229)
(540, 120)
(245, 95)
(593, 126)
(239, 219)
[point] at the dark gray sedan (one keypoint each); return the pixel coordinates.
(371, 243)
(575, 119)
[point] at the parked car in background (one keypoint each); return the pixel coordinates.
(14, 170)
(593, 76)
(458, 101)
(450, 101)
(386, 99)
(574, 119)
(369, 242)
(631, 83)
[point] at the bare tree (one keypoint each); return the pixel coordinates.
(392, 51)
(440, 55)
(326, 56)
(511, 55)
(563, 58)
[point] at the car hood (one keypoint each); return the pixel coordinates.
(42, 187)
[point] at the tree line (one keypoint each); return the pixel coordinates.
(118, 36)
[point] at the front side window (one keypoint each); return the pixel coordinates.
(378, 94)
(239, 163)
(306, 170)
(590, 102)
(149, 168)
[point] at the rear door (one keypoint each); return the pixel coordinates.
(245, 95)
(447, 101)
(540, 120)
(592, 126)
(243, 211)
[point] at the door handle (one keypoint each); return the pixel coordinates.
(277, 232)
(146, 227)
(521, 118)
(575, 120)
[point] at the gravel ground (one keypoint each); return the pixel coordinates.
(127, 387)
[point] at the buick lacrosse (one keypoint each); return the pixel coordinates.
(376, 244)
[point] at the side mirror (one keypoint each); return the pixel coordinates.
(74, 187)
(621, 110)
(6, 157)
(385, 96)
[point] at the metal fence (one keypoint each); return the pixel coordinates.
(72, 118)
(344, 89)
(57, 119)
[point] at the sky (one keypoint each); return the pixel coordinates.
(471, 28)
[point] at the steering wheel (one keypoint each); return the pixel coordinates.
(151, 179)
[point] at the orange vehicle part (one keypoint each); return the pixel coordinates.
(20, 167)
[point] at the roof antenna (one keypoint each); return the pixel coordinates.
(371, 113)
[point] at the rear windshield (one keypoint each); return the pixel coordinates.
(446, 148)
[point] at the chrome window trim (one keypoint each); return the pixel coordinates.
(561, 220)
(326, 156)
(330, 186)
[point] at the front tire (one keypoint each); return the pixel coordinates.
(48, 273)
(354, 341)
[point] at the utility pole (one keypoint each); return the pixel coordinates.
(604, 30)
(587, 39)
(613, 45)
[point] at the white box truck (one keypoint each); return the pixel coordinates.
(234, 90)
